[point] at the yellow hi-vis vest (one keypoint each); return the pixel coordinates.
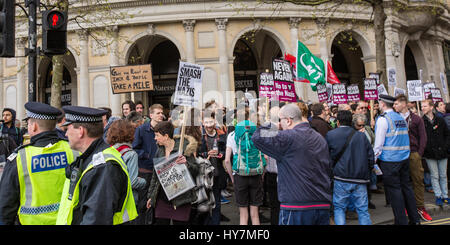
(128, 211)
(41, 172)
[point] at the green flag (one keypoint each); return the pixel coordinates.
(309, 67)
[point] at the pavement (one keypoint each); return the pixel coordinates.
(380, 216)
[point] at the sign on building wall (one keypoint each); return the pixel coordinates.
(134, 78)
(392, 77)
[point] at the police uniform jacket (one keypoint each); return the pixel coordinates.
(102, 189)
(9, 184)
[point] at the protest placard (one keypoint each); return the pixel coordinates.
(134, 78)
(339, 94)
(322, 93)
(415, 91)
(381, 89)
(189, 85)
(375, 76)
(329, 92)
(443, 82)
(399, 91)
(426, 89)
(175, 178)
(370, 89)
(392, 77)
(436, 95)
(353, 93)
(266, 85)
(284, 89)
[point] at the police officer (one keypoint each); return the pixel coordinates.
(34, 174)
(391, 148)
(97, 190)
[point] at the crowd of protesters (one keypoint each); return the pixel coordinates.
(308, 162)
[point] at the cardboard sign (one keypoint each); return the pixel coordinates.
(426, 89)
(375, 76)
(399, 91)
(322, 93)
(175, 178)
(283, 81)
(353, 93)
(392, 77)
(370, 89)
(436, 95)
(415, 91)
(134, 78)
(266, 85)
(339, 94)
(189, 85)
(381, 89)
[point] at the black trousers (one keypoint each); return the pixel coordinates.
(399, 192)
(141, 206)
(270, 179)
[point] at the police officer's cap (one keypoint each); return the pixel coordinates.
(81, 114)
(41, 111)
(387, 98)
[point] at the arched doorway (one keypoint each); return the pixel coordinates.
(164, 57)
(69, 82)
(410, 65)
(253, 54)
(347, 59)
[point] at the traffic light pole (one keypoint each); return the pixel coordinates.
(32, 48)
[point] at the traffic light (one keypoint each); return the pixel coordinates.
(54, 32)
(7, 28)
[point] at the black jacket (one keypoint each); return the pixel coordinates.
(357, 160)
(438, 138)
(9, 184)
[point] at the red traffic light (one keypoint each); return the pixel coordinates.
(55, 19)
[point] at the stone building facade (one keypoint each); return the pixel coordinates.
(235, 41)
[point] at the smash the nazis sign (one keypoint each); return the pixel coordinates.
(189, 85)
(135, 78)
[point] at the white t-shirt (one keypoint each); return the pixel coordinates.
(231, 142)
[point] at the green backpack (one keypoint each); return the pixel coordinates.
(249, 160)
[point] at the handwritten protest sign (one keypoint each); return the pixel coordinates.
(370, 89)
(266, 85)
(322, 92)
(399, 91)
(426, 89)
(175, 178)
(283, 81)
(415, 91)
(339, 94)
(189, 85)
(353, 93)
(135, 78)
(436, 95)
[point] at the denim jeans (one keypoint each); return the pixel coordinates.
(344, 194)
(438, 172)
(305, 217)
(373, 181)
(427, 181)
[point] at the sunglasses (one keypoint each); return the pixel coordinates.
(360, 125)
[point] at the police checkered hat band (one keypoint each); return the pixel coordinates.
(40, 116)
(82, 119)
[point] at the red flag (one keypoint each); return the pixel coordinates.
(293, 60)
(331, 76)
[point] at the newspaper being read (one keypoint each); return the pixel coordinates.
(175, 178)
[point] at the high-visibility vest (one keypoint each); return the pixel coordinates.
(396, 143)
(41, 172)
(68, 203)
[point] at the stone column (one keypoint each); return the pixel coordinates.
(439, 65)
(190, 44)
(84, 98)
(21, 84)
(224, 61)
(393, 57)
(293, 27)
(115, 102)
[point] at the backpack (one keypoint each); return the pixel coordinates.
(204, 183)
(249, 160)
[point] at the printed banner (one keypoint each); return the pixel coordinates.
(266, 85)
(353, 93)
(283, 81)
(415, 91)
(436, 95)
(370, 89)
(339, 94)
(322, 92)
(134, 78)
(175, 178)
(188, 91)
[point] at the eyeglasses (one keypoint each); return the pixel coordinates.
(360, 125)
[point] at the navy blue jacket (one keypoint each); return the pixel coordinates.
(358, 159)
(304, 165)
(145, 145)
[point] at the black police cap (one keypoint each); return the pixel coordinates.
(41, 111)
(387, 98)
(81, 114)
